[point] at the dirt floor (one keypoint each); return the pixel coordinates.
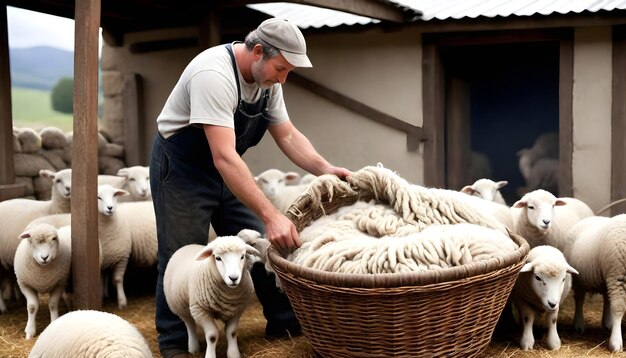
(252, 342)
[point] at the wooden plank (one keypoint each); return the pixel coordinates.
(618, 120)
(458, 146)
(7, 168)
(433, 94)
(85, 255)
(566, 126)
(498, 37)
(414, 133)
(134, 121)
(12, 191)
(376, 9)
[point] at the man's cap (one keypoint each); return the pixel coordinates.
(287, 38)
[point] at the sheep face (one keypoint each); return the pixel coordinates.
(107, 199)
(538, 207)
(44, 243)
(138, 179)
(61, 181)
(548, 282)
(229, 256)
(273, 181)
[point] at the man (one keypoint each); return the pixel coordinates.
(225, 100)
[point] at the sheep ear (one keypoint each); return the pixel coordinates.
(122, 173)
(501, 184)
(560, 202)
(468, 190)
(291, 176)
(205, 253)
(121, 192)
(570, 269)
(25, 235)
(248, 234)
(520, 204)
(45, 173)
(252, 251)
(528, 267)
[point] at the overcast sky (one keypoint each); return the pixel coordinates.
(29, 29)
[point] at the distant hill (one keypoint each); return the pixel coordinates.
(40, 67)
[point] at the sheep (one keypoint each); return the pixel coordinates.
(135, 180)
(140, 221)
(596, 247)
(204, 283)
(546, 146)
(272, 184)
(115, 239)
(17, 213)
(88, 333)
(544, 174)
(543, 219)
(42, 265)
(542, 286)
(308, 179)
(486, 189)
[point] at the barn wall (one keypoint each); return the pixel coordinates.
(591, 159)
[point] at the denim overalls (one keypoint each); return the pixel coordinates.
(189, 194)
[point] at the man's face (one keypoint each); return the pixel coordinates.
(267, 72)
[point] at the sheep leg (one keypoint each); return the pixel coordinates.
(193, 345)
(204, 320)
(527, 315)
(53, 302)
(552, 340)
(32, 306)
(579, 318)
(118, 279)
(231, 337)
(606, 313)
(617, 308)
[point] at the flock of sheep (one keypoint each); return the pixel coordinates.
(570, 247)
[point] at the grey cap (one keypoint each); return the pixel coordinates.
(287, 38)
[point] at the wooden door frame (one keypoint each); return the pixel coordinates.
(618, 120)
(434, 95)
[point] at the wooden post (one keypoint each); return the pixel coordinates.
(85, 255)
(8, 188)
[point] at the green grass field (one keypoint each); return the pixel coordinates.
(33, 108)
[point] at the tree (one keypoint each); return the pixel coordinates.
(63, 95)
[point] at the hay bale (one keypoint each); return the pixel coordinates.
(113, 150)
(109, 165)
(29, 165)
(28, 184)
(52, 138)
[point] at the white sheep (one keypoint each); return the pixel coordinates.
(140, 221)
(42, 265)
(546, 145)
(596, 247)
(135, 180)
(272, 183)
(204, 283)
(17, 213)
(541, 287)
(115, 239)
(486, 189)
(543, 219)
(90, 334)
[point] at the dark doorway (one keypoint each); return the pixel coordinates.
(510, 95)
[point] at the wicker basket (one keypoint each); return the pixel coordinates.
(447, 312)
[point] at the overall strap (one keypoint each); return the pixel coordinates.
(229, 48)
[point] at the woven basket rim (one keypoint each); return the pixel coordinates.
(388, 280)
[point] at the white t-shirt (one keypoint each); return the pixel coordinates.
(206, 93)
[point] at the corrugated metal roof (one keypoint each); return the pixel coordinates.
(310, 16)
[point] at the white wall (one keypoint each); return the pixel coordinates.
(591, 159)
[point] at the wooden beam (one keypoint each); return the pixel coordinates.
(375, 9)
(85, 252)
(618, 120)
(433, 93)
(414, 133)
(162, 45)
(133, 106)
(209, 33)
(7, 167)
(566, 126)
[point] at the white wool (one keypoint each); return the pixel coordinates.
(596, 247)
(42, 265)
(140, 220)
(204, 283)
(90, 334)
(135, 180)
(541, 287)
(486, 189)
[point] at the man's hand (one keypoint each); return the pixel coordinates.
(282, 233)
(342, 173)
